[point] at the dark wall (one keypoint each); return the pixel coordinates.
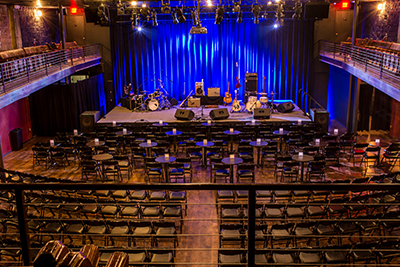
(338, 94)
(43, 29)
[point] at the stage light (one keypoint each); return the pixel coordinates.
(240, 17)
(256, 13)
(276, 25)
(279, 14)
(134, 3)
(344, 5)
(38, 4)
(154, 18)
(102, 12)
(120, 8)
(194, 18)
(139, 28)
(38, 13)
(236, 7)
(144, 5)
(145, 12)
(135, 19)
(209, 3)
(219, 16)
(174, 18)
(269, 3)
(381, 6)
(179, 15)
(166, 8)
(298, 9)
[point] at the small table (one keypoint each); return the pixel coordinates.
(164, 161)
(94, 144)
(101, 158)
(232, 162)
(258, 146)
(320, 145)
(204, 150)
(160, 125)
(280, 135)
(208, 128)
(305, 158)
(232, 134)
(122, 133)
(171, 133)
(148, 147)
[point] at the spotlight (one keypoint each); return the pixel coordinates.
(298, 9)
(194, 18)
(145, 12)
(209, 3)
(38, 13)
(279, 14)
(219, 15)
(135, 19)
(174, 18)
(236, 7)
(381, 6)
(139, 28)
(256, 13)
(102, 13)
(179, 15)
(240, 17)
(120, 8)
(276, 25)
(166, 8)
(134, 3)
(154, 18)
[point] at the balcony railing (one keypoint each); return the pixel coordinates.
(25, 70)
(383, 64)
(365, 212)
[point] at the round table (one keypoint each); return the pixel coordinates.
(304, 158)
(208, 128)
(101, 158)
(94, 144)
(258, 146)
(381, 144)
(280, 135)
(231, 163)
(232, 134)
(160, 125)
(164, 161)
(171, 133)
(320, 145)
(148, 147)
(204, 150)
(122, 133)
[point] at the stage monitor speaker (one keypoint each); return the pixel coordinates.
(316, 10)
(91, 15)
(88, 120)
(251, 80)
(173, 101)
(219, 114)
(320, 116)
(184, 114)
(285, 107)
(261, 113)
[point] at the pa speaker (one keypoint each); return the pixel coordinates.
(320, 116)
(316, 10)
(219, 114)
(285, 107)
(261, 113)
(251, 80)
(88, 120)
(184, 114)
(91, 15)
(173, 101)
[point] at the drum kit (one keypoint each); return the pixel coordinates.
(153, 102)
(253, 102)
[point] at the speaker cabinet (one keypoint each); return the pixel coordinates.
(316, 10)
(184, 114)
(219, 114)
(214, 91)
(88, 120)
(261, 113)
(285, 107)
(251, 80)
(320, 116)
(173, 101)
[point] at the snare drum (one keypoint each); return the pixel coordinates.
(264, 100)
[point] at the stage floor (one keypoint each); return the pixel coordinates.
(123, 115)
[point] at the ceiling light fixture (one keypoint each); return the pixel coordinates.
(197, 28)
(102, 13)
(135, 19)
(256, 9)
(134, 3)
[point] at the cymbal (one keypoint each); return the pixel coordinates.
(262, 93)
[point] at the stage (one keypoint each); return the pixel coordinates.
(122, 115)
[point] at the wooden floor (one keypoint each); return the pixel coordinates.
(202, 215)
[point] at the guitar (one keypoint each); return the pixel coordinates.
(228, 97)
(236, 104)
(237, 76)
(184, 101)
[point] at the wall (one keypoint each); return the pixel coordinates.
(43, 30)
(15, 115)
(5, 33)
(338, 94)
(395, 119)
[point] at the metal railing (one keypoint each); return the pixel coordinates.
(24, 70)
(251, 203)
(385, 64)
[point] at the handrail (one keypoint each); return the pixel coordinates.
(24, 70)
(311, 98)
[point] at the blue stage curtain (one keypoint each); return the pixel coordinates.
(179, 59)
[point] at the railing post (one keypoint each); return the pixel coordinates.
(83, 53)
(380, 76)
(2, 78)
(23, 229)
(27, 69)
(251, 227)
(45, 64)
(334, 50)
(72, 57)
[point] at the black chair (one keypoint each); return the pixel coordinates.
(234, 257)
(309, 257)
(232, 234)
(40, 155)
(162, 258)
(281, 233)
(363, 252)
(246, 171)
(357, 150)
(118, 228)
(391, 156)
(141, 230)
(90, 167)
(371, 153)
(164, 231)
(96, 228)
(58, 157)
(74, 228)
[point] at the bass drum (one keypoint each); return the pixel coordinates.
(252, 105)
(152, 104)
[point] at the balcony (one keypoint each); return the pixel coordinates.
(21, 77)
(378, 68)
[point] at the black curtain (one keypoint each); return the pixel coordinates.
(56, 108)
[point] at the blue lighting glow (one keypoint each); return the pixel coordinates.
(139, 28)
(276, 25)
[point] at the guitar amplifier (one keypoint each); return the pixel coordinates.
(251, 80)
(199, 88)
(214, 91)
(194, 102)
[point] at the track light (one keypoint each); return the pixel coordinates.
(279, 14)
(102, 13)
(145, 12)
(166, 8)
(256, 13)
(135, 19)
(240, 17)
(174, 18)
(154, 19)
(179, 15)
(194, 18)
(219, 16)
(298, 9)
(236, 7)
